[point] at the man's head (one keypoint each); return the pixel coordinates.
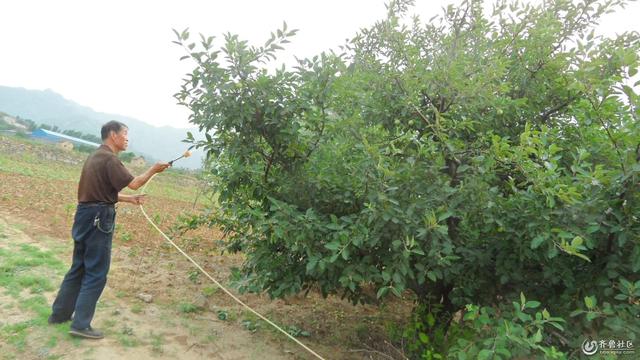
(115, 135)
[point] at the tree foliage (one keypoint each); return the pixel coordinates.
(470, 159)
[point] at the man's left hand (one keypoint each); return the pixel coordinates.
(138, 199)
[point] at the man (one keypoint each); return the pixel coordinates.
(103, 176)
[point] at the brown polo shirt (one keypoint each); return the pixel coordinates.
(103, 176)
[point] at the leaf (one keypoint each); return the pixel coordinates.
(445, 215)
(556, 325)
(504, 352)
(537, 337)
(484, 354)
(545, 314)
(523, 317)
(532, 304)
(577, 241)
(577, 312)
(382, 292)
(626, 283)
(582, 256)
(537, 241)
(397, 278)
(424, 338)
(311, 264)
(332, 245)
(523, 300)
(590, 302)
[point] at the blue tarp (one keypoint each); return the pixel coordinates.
(57, 137)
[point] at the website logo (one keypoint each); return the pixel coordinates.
(607, 347)
(589, 347)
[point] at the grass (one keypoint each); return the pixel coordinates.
(25, 272)
(157, 341)
(188, 308)
(16, 334)
(209, 291)
(126, 337)
(136, 308)
(125, 236)
(127, 340)
(28, 165)
(194, 276)
(28, 268)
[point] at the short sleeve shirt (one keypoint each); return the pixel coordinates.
(103, 176)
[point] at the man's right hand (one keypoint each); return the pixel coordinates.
(159, 167)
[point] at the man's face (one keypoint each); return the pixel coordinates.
(121, 139)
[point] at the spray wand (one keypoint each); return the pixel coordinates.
(186, 154)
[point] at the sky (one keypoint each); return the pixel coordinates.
(117, 56)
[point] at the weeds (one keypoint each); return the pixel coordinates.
(209, 291)
(136, 308)
(125, 236)
(157, 341)
(188, 308)
(194, 276)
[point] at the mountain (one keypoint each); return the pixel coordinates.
(48, 107)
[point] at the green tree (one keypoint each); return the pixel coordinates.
(471, 160)
(127, 156)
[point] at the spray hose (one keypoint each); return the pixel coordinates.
(218, 283)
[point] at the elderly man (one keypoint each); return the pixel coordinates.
(103, 176)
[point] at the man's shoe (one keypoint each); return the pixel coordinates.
(87, 333)
(53, 321)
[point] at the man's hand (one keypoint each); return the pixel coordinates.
(138, 199)
(159, 167)
(132, 199)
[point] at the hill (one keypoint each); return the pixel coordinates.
(48, 107)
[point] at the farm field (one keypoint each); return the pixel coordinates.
(187, 317)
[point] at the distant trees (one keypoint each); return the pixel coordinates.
(5, 126)
(487, 164)
(127, 156)
(30, 124)
(81, 135)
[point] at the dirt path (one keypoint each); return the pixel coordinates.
(134, 329)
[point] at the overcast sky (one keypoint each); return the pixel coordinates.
(117, 56)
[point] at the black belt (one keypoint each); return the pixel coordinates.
(97, 203)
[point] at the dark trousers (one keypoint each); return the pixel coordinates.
(82, 286)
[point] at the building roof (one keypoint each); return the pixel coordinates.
(48, 133)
